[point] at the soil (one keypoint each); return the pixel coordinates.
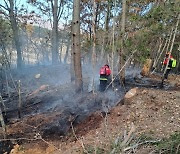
(56, 120)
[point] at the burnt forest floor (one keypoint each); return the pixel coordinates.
(56, 120)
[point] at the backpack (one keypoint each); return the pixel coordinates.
(173, 63)
(102, 71)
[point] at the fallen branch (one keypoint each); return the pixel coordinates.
(36, 137)
(16, 139)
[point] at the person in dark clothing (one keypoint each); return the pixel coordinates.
(104, 76)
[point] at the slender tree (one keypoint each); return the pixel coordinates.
(54, 10)
(10, 8)
(76, 45)
(107, 19)
(94, 41)
(54, 39)
(121, 52)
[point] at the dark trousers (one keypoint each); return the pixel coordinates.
(167, 73)
(103, 84)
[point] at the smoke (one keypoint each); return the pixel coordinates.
(61, 93)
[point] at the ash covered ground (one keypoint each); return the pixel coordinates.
(51, 108)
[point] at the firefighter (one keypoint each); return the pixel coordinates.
(171, 64)
(104, 72)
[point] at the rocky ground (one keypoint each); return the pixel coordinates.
(54, 122)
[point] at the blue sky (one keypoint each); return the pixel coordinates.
(19, 3)
(30, 8)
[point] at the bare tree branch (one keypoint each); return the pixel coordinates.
(15, 139)
(60, 11)
(4, 7)
(6, 4)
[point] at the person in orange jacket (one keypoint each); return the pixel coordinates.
(104, 72)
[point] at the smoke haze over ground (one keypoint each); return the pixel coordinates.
(50, 103)
(48, 89)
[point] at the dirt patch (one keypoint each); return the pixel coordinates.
(154, 112)
(90, 123)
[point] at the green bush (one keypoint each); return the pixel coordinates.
(170, 145)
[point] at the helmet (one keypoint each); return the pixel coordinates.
(107, 65)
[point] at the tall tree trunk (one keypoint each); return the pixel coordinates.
(113, 44)
(76, 46)
(107, 20)
(55, 32)
(121, 52)
(96, 7)
(107, 16)
(97, 14)
(94, 19)
(72, 56)
(16, 37)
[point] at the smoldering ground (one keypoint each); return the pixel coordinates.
(50, 105)
(48, 96)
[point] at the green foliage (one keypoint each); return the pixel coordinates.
(141, 43)
(145, 137)
(156, 14)
(148, 28)
(5, 31)
(133, 18)
(170, 145)
(162, 17)
(91, 150)
(156, 29)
